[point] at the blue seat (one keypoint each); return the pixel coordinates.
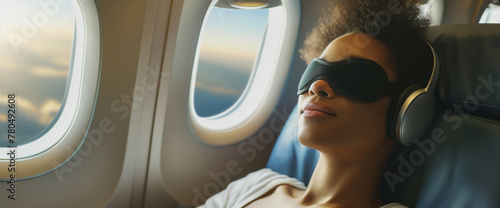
(457, 163)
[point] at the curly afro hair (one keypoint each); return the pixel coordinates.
(396, 23)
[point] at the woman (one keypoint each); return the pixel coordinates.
(347, 125)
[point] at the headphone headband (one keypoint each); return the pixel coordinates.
(415, 109)
(435, 70)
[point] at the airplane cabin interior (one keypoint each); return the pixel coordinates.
(163, 103)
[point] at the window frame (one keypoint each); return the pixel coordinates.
(259, 98)
(57, 145)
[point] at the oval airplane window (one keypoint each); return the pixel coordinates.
(240, 66)
(491, 14)
(46, 47)
(36, 42)
(229, 44)
(432, 9)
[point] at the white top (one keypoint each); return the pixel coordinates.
(246, 189)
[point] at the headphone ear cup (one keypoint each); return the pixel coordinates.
(394, 111)
(415, 116)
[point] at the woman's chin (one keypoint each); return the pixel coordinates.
(310, 140)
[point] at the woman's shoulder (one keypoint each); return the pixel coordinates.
(394, 205)
(249, 187)
(265, 177)
(262, 180)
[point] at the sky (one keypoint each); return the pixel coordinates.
(230, 41)
(35, 52)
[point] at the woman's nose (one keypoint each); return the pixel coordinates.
(321, 88)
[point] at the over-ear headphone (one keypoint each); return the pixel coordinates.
(413, 112)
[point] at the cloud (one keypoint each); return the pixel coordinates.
(217, 90)
(62, 61)
(48, 47)
(48, 111)
(232, 56)
(3, 98)
(7, 64)
(48, 72)
(27, 106)
(3, 118)
(43, 114)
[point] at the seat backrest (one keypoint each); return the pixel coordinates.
(457, 162)
(289, 156)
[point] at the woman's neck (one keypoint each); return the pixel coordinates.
(345, 183)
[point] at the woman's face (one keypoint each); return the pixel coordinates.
(331, 123)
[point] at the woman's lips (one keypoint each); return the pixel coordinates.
(313, 109)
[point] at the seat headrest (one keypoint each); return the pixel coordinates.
(470, 65)
(458, 169)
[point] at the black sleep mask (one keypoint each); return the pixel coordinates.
(360, 80)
